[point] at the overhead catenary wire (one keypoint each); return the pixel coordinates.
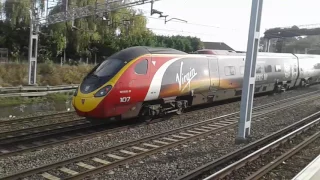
(181, 31)
(172, 21)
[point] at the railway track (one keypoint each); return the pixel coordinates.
(308, 132)
(73, 133)
(108, 158)
(36, 118)
(288, 154)
(234, 164)
(21, 134)
(24, 142)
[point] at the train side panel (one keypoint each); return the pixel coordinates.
(213, 78)
(278, 69)
(181, 76)
(230, 77)
(309, 67)
(270, 69)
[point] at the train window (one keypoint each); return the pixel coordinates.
(242, 70)
(229, 70)
(108, 67)
(142, 67)
(258, 69)
(295, 68)
(278, 68)
(267, 68)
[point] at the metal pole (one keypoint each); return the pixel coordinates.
(268, 45)
(33, 45)
(250, 71)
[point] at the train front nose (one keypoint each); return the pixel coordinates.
(89, 104)
(86, 104)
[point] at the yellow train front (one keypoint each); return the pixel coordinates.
(108, 92)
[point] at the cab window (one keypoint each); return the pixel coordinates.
(141, 67)
(109, 67)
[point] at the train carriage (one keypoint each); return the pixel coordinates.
(146, 81)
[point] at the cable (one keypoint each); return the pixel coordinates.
(204, 25)
(182, 31)
(174, 21)
(189, 23)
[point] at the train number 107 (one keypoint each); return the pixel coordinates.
(124, 99)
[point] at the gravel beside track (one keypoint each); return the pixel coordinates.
(160, 162)
(292, 166)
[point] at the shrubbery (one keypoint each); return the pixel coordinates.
(15, 74)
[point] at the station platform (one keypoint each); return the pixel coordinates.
(310, 172)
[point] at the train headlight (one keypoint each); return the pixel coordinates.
(103, 91)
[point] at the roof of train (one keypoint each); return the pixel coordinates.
(136, 51)
(131, 53)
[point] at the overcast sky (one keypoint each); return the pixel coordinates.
(230, 16)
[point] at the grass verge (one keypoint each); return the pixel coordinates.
(56, 97)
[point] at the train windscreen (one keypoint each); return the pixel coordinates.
(101, 74)
(108, 67)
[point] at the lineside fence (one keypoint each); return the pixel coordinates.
(33, 91)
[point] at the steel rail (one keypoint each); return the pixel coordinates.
(267, 168)
(36, 118)
(250, 147)
(85, 133)
(159, 141)
(23, 134)
(288, 99)
(240, 163)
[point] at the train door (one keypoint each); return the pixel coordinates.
(140, 78)
(214, 74)
(287, 71)
(133, 86)
(294, 72)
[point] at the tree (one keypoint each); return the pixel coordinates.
(92, 36)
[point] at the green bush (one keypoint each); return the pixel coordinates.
(15, 74)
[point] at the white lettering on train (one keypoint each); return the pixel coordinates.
(185, 78)
(261, 77)
(124, 99)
